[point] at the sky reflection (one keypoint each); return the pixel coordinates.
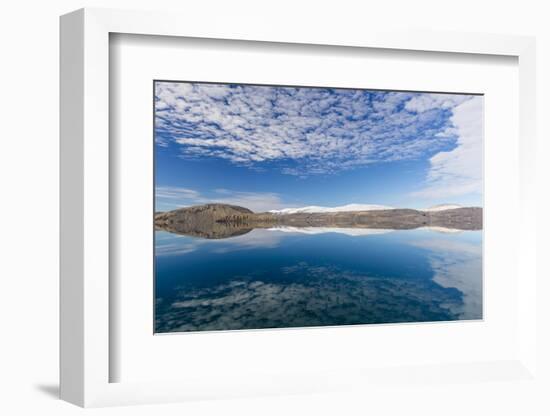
(278, 278)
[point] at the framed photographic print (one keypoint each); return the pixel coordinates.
(286, 206)
(275, 212)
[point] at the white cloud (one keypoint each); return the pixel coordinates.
(174, 197)
(167, 192)
(425, 102)
(308, 131)
(459, 171)
(256, 201)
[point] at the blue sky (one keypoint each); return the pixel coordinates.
(277, 147)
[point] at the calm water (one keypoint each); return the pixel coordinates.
(297, 278)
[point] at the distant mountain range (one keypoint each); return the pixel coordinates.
(354, 208)
(343, 208)
(223, 220)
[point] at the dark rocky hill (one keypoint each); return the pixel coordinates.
(207, 221)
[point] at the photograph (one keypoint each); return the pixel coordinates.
(281, 206)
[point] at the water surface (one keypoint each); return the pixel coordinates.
(278, 278)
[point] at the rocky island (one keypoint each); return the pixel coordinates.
(222, 220)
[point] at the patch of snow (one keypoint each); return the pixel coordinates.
(342, 208)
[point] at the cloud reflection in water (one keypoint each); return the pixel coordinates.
(250, 282)
(457, 264)
(315, 296)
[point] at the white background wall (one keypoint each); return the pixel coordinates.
(29, 205)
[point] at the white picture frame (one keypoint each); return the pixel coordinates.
(85, 207)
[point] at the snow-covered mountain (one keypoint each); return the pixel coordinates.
(355, 207)
(342, 208)
(441, 207)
